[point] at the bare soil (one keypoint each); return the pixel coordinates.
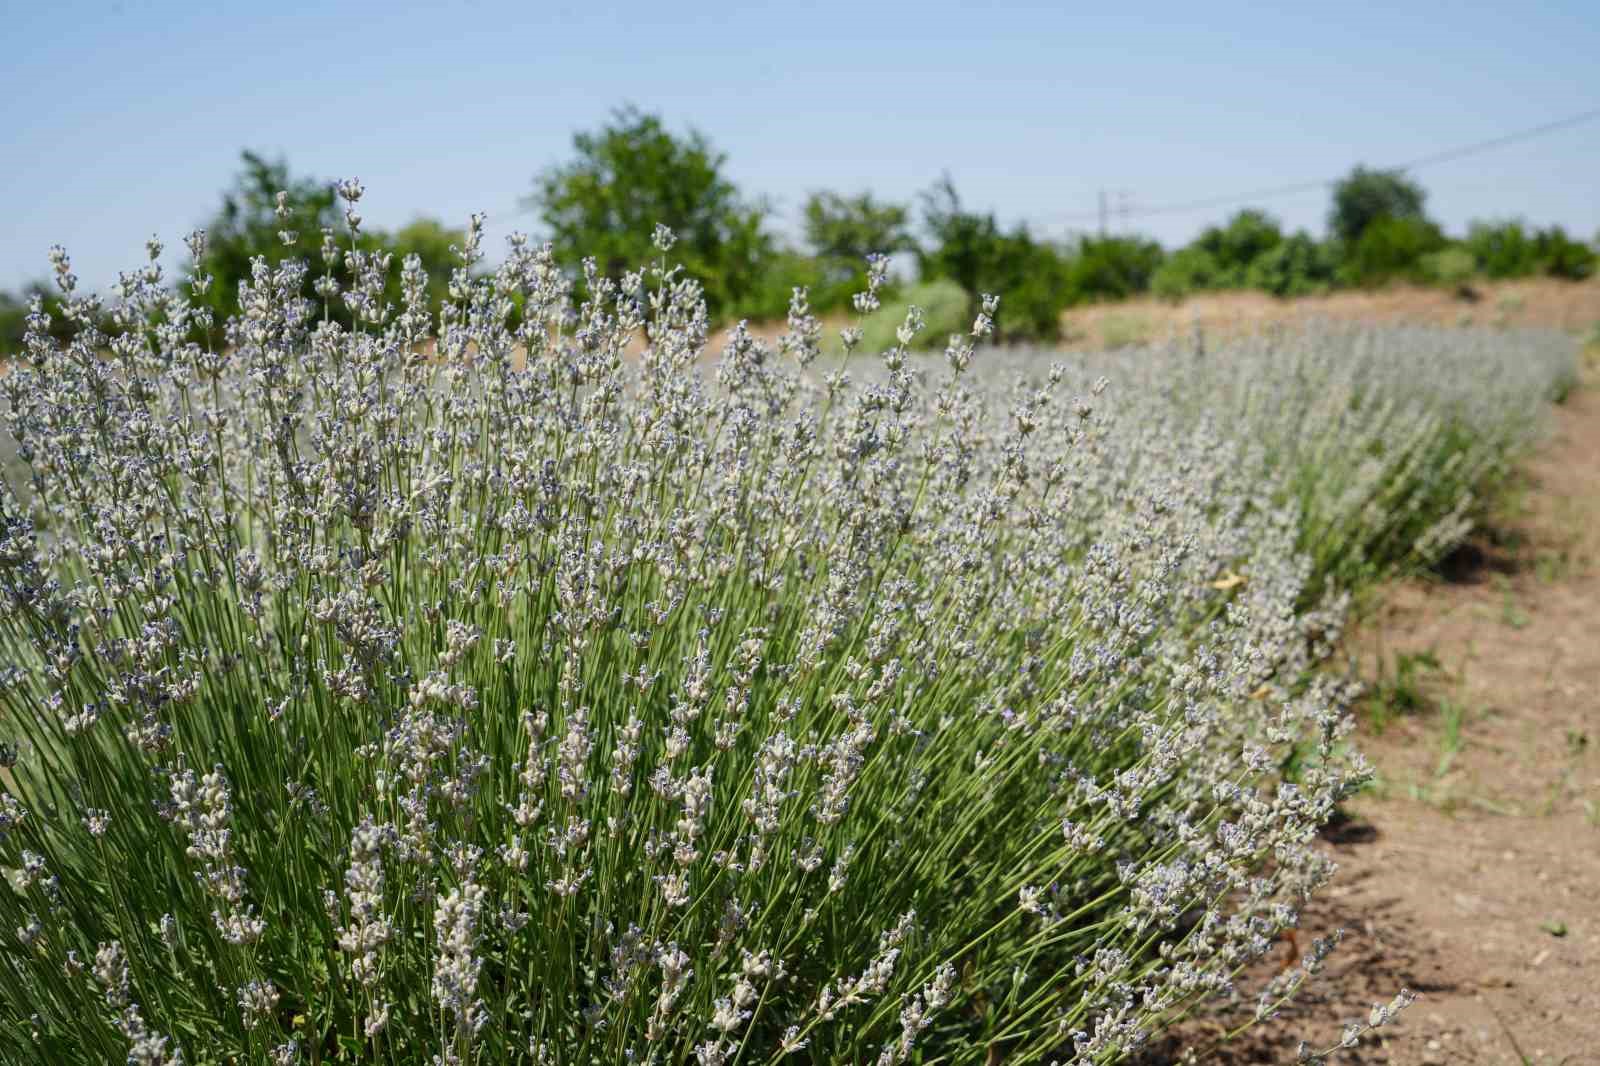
(1547, 302)
(1530, 302)
(1470, 873)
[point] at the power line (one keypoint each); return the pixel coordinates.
(1274, 191)
(1127, 211)
(1497, 142)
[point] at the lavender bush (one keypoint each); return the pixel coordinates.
(522, 686)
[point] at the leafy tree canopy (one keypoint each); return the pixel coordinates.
(1238, 243)
(1366, 195)
(633, 174)
(247, 225)
(847, 229)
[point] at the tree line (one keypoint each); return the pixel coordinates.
(633, 173)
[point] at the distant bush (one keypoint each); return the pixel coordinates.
(431, 242)
(1562, 257)
(1234, 247)
(1390, 249)
(1188, 270)
(14, 315)
(967, 247)
(1112, 268)
(1452, 266)
(1223, 257)
(1501, 249)
(1512, 249)
(944, 309)
(1299, 265)
(250, 224)
(766, 298)
(1036, 279)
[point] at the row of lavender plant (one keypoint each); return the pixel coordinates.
(526, 686)
(1387, 443)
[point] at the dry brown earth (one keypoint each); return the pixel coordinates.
(1534, 302)
(1529, 302)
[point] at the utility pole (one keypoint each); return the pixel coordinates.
(1102, 212)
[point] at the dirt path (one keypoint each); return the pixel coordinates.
(1471, 873)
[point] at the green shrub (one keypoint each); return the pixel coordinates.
(1390, 249)
(767, 297)
(943, 303)
(1452, 266)
(1299, 265)
(1501, 249)
(1236, 246)
(1560, 256)
(1111, 268)
(431, 242)
(14, 315)
(1511, 249)
(250, 225)
(1035, 288)
(1188, 270)
(1035, 279)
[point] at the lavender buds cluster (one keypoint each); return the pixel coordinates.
(582, 688)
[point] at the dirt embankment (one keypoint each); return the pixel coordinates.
(1573, 306)
(1557, 304)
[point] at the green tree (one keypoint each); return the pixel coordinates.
(430, 241)
(1220, 258)
(965, 246)
(841, 231)
(634, 174)
(247, 226)
(1032, 278)
(1366, 195)
(14, 315)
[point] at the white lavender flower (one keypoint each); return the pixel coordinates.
(628, 687)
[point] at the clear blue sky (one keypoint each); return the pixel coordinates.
(127, 117)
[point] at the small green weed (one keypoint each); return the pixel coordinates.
(1511, 612)
(1452, 715)
(1401, 693)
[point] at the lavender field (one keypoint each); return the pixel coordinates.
(560, 680)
